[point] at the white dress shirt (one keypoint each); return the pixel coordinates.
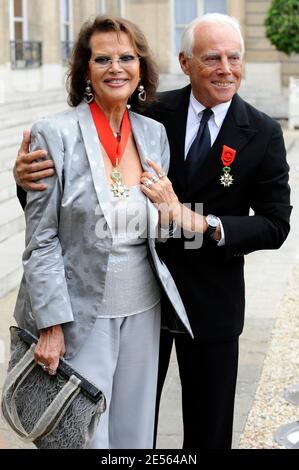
(215, 122)
(194, 118)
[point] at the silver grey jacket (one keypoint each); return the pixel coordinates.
(65, 259)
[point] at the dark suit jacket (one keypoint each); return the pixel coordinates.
(210, 279)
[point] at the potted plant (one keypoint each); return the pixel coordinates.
(282, 25)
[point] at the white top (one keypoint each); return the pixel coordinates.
(130, 285)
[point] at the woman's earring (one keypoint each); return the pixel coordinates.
(142, 93)
(88, 95)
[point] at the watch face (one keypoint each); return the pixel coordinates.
(212, 220)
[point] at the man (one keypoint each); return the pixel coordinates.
(242, 166)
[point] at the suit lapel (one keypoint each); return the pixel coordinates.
(236, 133)
(142, 138)
(178, 122)
(95, 158)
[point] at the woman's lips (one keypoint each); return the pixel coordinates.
(116, 82)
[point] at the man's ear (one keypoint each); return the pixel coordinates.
(184, 63)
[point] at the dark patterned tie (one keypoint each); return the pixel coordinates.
(199, 148)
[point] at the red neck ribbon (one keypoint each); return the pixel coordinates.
(114, 148)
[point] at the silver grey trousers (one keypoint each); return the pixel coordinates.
(121, 357)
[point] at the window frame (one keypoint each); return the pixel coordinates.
(102, 7)
(64, 22)
(18, 19)
(174, 62)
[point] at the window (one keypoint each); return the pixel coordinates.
(18, 20)
(185, 11)
(24, 54)
(66, 29)
(65, 20)
(102, 7)
(215, 6)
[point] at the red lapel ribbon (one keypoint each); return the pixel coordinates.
(228, 155)
(114, 148)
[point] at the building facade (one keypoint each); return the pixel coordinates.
(36, 37)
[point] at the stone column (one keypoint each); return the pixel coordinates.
(82, 11)
(50, 31)
(4, 50)
(237, 8)
(153, 17)
(4, 33)
(52, 69)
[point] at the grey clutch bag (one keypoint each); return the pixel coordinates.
(53, 412)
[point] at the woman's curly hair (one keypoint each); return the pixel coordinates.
(78, 66)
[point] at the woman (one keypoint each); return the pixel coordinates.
(88, 289)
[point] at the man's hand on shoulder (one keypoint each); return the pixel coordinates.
(27, 171)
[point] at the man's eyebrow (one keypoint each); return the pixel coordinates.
(212, 54)
(238, 53)
(217, 54)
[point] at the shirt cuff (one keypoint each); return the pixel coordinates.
(221, 242)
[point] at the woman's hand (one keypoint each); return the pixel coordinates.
(158, 188)
(50, 348)
(27, 170)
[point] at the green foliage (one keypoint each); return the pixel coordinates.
(282, 25)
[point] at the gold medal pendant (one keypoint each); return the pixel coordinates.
(118, 189)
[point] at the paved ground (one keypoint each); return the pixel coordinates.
(267, 277)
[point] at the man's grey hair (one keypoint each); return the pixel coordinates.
(187, 42)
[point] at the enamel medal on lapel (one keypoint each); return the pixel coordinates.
(118, 188)
(114, 146)
(226, 179)
(227, 158)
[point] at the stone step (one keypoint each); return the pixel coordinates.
(8, 157)
(27, 116)
(11, 262)
(24, 101)
(12, 133)
(7, 186)
(11, 218)
(11, 137)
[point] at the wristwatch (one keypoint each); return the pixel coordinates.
(213, 222)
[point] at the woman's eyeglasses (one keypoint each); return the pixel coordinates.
(125, 61)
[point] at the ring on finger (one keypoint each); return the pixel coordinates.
(161, 175)
(43, 366)
(147, 183)
(154, 179)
